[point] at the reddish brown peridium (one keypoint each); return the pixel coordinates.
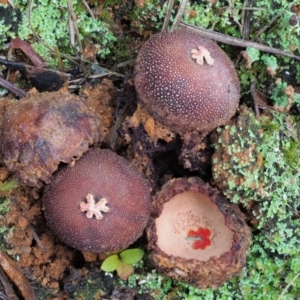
(102, 204)
(186, 81)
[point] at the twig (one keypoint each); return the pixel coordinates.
(233, 15)
(88, 9)
(260, 100)
(12, 88)
(267, 26)
(288, 286)
(16, 276)
(254, 97)
(235, 41)
(9, 291)
(4, 297)
(36, 238)
(179, 14)
(125, 63)
(168, 15)
(245, 21)
(11, 3)
(73, 26)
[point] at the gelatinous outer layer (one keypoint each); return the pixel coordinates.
(103, 174)
(181, 93)
(42, 130)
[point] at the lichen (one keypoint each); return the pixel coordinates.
(256, 164)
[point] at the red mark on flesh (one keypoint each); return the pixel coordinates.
(200, 238)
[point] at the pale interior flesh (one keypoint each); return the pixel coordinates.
(189, 211)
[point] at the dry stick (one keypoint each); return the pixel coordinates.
(73, 26)
(288, 286)
(179, 14)
(36, 238)
(4, 297)
(11, 3)
(12, 88)
(88, 9)
(245, 23)
(254, 97)
(13, 272)
(267, 26)
(168, 15)
(235, 41)
(232, 13)
(7, 287)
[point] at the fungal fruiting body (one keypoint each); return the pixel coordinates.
(102, 204)
(186, 81)
(42, 130)
(195, 235)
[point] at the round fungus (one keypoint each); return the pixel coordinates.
(102, 204)
(186, 81)
(195, 235)
(42, 130)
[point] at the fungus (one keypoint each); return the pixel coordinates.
(195, 235)
(42, 130)
(186, 81)
(102, 204)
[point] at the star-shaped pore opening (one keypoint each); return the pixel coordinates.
(92, 208)
(200, 54)
(200, 238)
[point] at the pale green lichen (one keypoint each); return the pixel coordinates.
(264, 177)
(50, 23)
(257, 161)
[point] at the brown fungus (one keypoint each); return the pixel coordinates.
(186, 81)
(195, 235)
(102, 204)
(42, 130)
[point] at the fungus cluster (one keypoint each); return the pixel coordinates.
(195, 235)
(102, 204)
(186, 81)
(42, 130)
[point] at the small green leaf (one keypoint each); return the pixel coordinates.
(125, 270)
(131, 256)
(253, 53)
(111, 263)
(9, 185)
(270, 61)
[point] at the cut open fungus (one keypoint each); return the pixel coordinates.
(195, 235)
